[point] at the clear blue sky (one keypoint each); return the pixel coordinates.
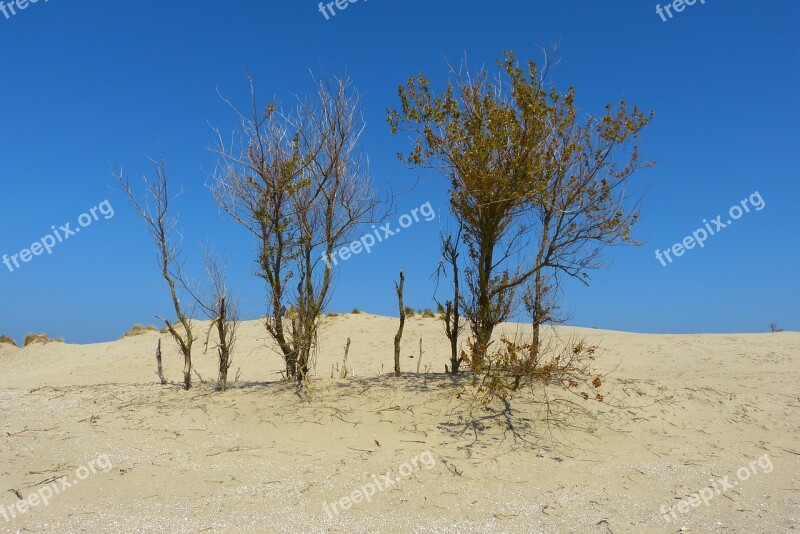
(90, 84)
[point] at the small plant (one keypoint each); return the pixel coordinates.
(30, 339)
(7, 340)
(139, 330)
(773, 328)
(332, 314)
(427, 313)
(355, 311)
(408, 311)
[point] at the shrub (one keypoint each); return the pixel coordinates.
(514, 365)
(355, 310)
(30, 339)
(138, 330)
(409, 311)
(427, 313)
(332, 314)
(773, 328)
(7, 340)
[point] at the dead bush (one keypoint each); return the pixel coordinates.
(514, 365)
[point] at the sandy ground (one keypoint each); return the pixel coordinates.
(681, 413)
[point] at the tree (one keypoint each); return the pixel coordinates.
(535, 187)
(541, 300)
(452, 316)
(299, 184)
(221, 307)
(154, 211)
(582, 207)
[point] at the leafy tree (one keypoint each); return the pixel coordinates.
(537, 189)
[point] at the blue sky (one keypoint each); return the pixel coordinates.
(93, 84)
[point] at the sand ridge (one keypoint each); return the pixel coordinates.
(681, 411)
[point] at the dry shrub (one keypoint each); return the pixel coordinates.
(514, 365)
(30, 339)
(427, 313)
(356, 311)
(7, 340)
(528, 393)
(139, 330)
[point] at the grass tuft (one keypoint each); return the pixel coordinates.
(138, 330)
(30, 339)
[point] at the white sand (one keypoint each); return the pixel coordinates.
(260, 458)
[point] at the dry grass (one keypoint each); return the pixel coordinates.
(30, 339)
(7, 340)
(138, 330)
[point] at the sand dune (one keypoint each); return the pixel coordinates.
(682, 412)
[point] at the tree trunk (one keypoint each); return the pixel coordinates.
(224, 355)
(402, 323)
(452, 316)
(537, 308)
(304, 354)
(158, 361)
(451, 329)
(484, 324)
(455, 358)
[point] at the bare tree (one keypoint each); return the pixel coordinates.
(222, 308)
(452, 316)
(154, 211)
(297, 182)
(399, 288)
